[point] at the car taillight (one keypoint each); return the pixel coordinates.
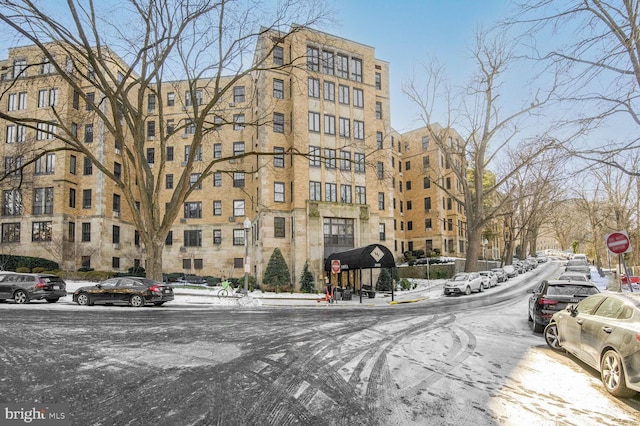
(41, 284)
(544, 301)
(155, 289)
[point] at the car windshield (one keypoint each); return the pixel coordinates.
(576, 263)
(460, 277)
(571, 290)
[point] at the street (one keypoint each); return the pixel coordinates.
(448, 361)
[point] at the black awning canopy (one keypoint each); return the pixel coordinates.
(368, 257)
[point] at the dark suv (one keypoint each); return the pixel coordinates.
(552, 296)
(25, 287)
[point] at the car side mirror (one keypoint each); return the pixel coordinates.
(571, 309)
(99, 285)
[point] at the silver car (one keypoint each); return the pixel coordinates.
(23, 288)
(464, 283)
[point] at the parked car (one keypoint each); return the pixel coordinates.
(578, 266)
(464, 283)
(603, 331)
(549, 297)
(580, 256)
(572, 276)
(134, 291)
(23, 288)
(490, 278)
(511, 271)
(500, 274)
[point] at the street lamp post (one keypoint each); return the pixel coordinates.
(247, 225)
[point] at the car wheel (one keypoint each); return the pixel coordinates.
(481, 288)
(83, 299)
(467, 291)
(54, 300)
(537, 327)
(612, 375)
(551, 336)
(136, 301)
(21, 297)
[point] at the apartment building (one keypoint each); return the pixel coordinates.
(306, 153)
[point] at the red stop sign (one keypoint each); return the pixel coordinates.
(335, 266)
(618, 243)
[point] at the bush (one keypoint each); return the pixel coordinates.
(277, 272)
(23, 270)
(10, 262)
(306, 280)
(38, 269)
(405, 284)
(384, 282)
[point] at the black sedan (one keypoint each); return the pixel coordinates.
(552, 296)
(604, 332)
(134, 291)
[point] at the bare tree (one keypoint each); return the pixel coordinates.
(202, 45)
(600, 61)
(478, 112)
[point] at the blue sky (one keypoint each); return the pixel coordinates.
(406, 33)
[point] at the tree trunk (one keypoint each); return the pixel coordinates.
(154, 259)
(473, 250)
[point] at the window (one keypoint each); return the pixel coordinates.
(379, 140)
(72, 164)
(356, 69)
(88, 133)
(217, 207)
(87, 168)
(12, 102)
(10, 232)
(47, 98)
(380, 171)
(359, 162)
(314, 87)
(329, 91)
(238, 121)
(358, 98)
(426, 183)
(409, 205)
(279, 227)
(378, 78)
(343, 94)
(46, 164)
(168, 181)
(41, 231)
(238, 208)
(238, 237)
(238, 179)
(186, 263)
(238, 94)
(313, 59)
(197, 263)
(278, 88)
(115, 234)
(338, 232)
(115, 262)
(278, 122)
(116, 203)
(407, 165)
(358, 129)
(314, 191)
(314, 156)
(171, 99)
(217, 179)
(329, 124)
(43, 200)
(345, 160)
(278, 192)
(193, 179)
(89, 100)
(427, 204)
(345, 127)
(217, 150)
(380, 200)
(151, 129)
(345, 194)
(72, 198)
(12, 205)
(189, 127)
(193, 238)
(314, 121)
(193, 210)
(278, 158)
(71, 231)
(278, 55)
(86, 198)
(330, 158)
(361, 195)
(238, 148)
(381, 230)
(151, 102)
(448, 183)
(330, 192)
(151, 155)
(11, 134)
(217, 236)
(328, 62)
(342, 66)
(379, 110)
